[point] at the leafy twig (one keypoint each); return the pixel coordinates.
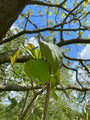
(24, 103)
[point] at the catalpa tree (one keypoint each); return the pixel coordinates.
(59, 26)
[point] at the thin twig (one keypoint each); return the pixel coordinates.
(76, 74)
(31, 114)
(84, 67)
(31, 103)
(17, 112)
(83, 97)
(74, 59)
(24, 103)
(64, 90)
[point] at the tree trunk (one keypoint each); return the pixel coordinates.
(9, 12)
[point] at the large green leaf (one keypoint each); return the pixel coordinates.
(52, 53)
(38, 70)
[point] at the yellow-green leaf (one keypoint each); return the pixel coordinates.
(49, 13)
(14, 57)
(54, 95)
(30, 46)
(56, 1)
(62, 14)
(85, 4)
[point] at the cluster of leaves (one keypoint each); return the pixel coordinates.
(41, 67)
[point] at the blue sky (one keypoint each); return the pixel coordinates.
(76, 49)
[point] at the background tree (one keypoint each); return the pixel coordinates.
(62, 22)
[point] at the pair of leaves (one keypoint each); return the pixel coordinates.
(38, 70)
(52, 54)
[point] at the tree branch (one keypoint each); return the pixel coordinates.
(74, 41)
(21, 87)
(5, 57)
(74, 59)
(48, 4)
(41, 30)
(76, 74)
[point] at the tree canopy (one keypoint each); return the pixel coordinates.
(45, 69)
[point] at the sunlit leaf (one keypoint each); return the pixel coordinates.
(62, 14)
(31, 12)
(57, 74)
(74, 21)
(38, 70)
(50, 22)
(56, 1)
(49, 13)
(80, 33)
(14, 57)
(30, 46)
(85, 4)
(52, 53)
(55, 12)
(36, 54)
(54, 95)
(40, 13)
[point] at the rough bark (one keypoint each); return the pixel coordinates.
(5, 57)
(23, 87)
(9, 12)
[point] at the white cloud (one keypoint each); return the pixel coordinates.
(85, 53)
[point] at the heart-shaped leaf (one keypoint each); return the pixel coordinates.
(38, 70)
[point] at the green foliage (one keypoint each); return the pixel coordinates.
(74, 21)
(58, 109)
(55, 79)
(54, 95)
(80, 33)
(85, 4)
(49, 13)
(38, 70)
(62, 14)
(35, 53)
(30, 46)
(14, 57)
(52, 54)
